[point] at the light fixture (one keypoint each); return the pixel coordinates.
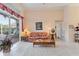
(26, 30)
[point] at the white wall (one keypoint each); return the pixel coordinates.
(71, 17)
(47, 17)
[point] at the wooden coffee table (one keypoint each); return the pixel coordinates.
(43, 42)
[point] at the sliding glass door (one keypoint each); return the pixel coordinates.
(14, 27)
(9, 26)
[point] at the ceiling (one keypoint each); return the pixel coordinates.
(44, 6)
(47, 6)
(12, 6)
(39, 6)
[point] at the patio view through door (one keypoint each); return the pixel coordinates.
(9, 26)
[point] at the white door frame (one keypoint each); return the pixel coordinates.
(20, 29)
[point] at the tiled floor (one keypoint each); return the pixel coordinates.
(62, 49)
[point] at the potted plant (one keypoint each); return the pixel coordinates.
(6, 45)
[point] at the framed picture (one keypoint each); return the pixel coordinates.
(39, 26)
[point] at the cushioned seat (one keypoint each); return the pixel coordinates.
(38, 35)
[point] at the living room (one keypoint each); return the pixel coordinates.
(37, 27)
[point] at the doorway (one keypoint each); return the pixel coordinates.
(59, 29)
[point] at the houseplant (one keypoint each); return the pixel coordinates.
(6, 45)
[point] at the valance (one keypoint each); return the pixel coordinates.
(5, 8)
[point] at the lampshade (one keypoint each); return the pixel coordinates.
(26, 30)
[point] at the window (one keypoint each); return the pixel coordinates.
(5, 25)
(8, 25)
(14, 27)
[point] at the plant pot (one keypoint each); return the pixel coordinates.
(6, 49)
